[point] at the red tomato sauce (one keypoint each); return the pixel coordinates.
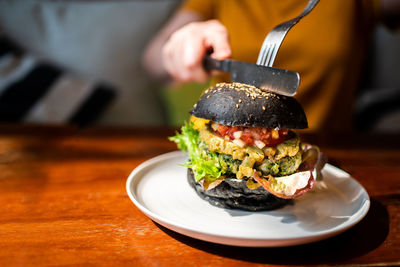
(251, 134)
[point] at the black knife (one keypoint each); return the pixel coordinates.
(279, 81)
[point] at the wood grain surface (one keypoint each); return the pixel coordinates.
(63, 202)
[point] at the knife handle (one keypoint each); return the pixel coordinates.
(215, 64)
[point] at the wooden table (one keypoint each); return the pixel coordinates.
(63, 202)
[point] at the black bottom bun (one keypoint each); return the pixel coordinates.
(234, 194)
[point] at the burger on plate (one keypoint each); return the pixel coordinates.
(243, 153)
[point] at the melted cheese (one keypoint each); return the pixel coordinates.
(198, 123)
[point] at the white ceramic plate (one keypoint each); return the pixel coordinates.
(158, 187)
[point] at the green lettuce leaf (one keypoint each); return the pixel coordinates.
(205, 164)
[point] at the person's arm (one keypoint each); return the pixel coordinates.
(178, 50)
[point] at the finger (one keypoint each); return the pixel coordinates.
(218, 39)
(193, 56)
(168, 59)
(193, 52)
(172, 56)
(183, 71)
(184, 52)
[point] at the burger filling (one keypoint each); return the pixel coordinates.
(261, 156)
(281, 159)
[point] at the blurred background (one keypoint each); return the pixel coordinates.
(101, 43)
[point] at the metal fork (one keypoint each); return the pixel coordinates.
(274, 39)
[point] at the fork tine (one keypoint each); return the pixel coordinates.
(274, 38)
(261, 56)
(265, 54)
(271, 55)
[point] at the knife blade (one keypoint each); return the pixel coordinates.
(279, 81)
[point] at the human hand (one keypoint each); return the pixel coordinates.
(183, 53)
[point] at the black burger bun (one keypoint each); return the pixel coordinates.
(234, 194)
(237, 104)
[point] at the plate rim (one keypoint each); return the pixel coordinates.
(235, 240)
